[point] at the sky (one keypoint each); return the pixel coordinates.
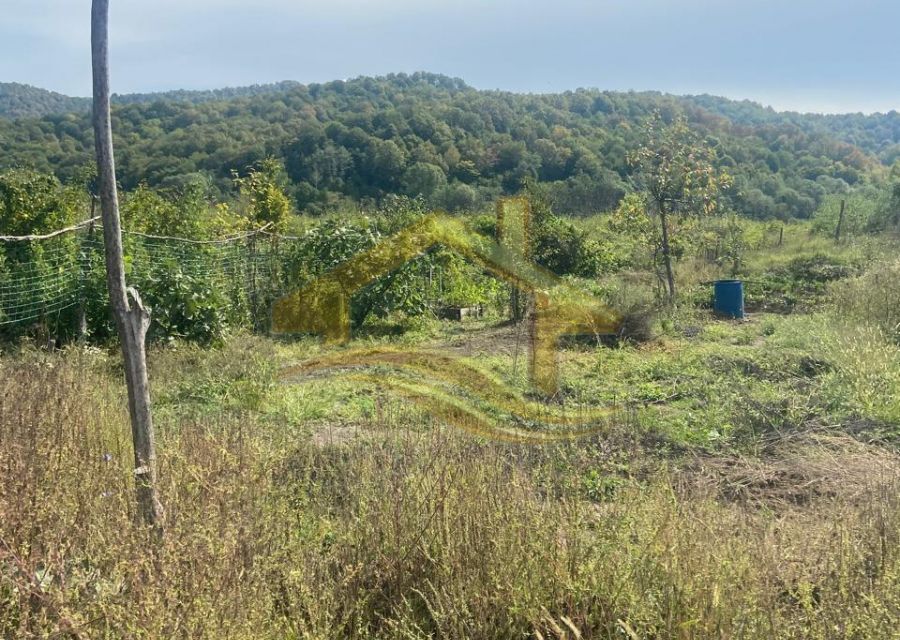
(804, 55)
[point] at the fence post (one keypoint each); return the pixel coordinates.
(82, 314)
(254, 305)
(837, 231)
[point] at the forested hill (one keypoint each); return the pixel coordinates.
(877, 134)
(431, 135)
(24, 101)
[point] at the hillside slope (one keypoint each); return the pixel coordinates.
(430, 135)
(24, 101)
(877, 134)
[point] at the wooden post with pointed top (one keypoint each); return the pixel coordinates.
(132, 318)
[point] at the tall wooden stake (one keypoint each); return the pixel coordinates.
(840, 224)
(132, 318)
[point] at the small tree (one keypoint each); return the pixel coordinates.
(263, 186)
(676, 171)
(33, 202)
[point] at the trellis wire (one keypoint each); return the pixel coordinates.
(43, 284)
(42, 276)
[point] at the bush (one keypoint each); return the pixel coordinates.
(801, 283)
(558, 244)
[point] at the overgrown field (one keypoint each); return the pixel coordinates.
(751, 488)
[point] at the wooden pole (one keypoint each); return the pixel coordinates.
(837, 231)
(82, 314)
(132, 318)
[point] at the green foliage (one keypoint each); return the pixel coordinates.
(436, 278)
(874, 208)
(800, 284)
(635, 231)
(190, 295)
(859, 213)
(677, 169)
(887, 213)
(37, 278)
(23, 101)
(185, 212)
(201, 292)
(187, 306)
(876, 134)
(346, 142)
(728, 239)
(264, 189)
(201, 287)
(32, 203)
(329, 244)
(558, 244)
(423, 179)
(456, 197)
(677, 172)
(148, 211)
(461, 284)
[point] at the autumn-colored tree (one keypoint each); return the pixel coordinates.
(677, 173)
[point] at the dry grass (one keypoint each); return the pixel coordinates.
(412, 531)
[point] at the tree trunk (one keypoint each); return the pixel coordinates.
(132, 318)
(666, 251)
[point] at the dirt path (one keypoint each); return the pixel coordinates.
(505, 339)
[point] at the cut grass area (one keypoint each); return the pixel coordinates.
(704, 383)
(711, 383)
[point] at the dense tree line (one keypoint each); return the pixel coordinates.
(876, 134)
(24, 101)
(347, 143)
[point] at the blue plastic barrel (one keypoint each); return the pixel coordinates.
(728, 299)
